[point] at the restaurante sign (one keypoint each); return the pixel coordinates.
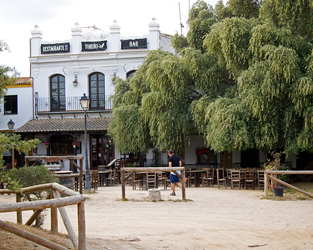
(55, 48)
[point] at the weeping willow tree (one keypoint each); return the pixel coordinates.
(241, 81)
(152, 108)
(270, 106)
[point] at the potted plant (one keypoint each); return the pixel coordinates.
(75, 144)
(278, 189)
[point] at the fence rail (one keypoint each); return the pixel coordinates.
(272, 175)
(53, 201)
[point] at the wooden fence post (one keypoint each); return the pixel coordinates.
(81, 226)
(183, 184)
(19, 217)
(66, 221)
(81, 177)
(123, 184)
(54, 219)
(266, 183)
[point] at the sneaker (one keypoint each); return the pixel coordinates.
(173, 194)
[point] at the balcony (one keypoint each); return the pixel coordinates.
(71, 103)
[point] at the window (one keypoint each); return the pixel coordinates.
(57, 93)
(61, 145)
(10, 104)
(97, 91)
(206, 156)
(130, 73)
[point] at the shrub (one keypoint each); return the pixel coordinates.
(30, 176)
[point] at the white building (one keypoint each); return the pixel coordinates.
(62, 71)
(16, 106)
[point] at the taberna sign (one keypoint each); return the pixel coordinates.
(55, 48)
(134, 43)
(94, 46)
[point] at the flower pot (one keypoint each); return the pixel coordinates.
(278, 191)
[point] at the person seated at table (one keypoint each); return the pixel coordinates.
(174, 161)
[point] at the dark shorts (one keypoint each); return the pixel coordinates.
(174, 178)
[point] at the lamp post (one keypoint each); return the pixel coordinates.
(84, 102)
(11, 127)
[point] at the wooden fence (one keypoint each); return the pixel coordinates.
(54, 201)
(272, 175)
(153, 170)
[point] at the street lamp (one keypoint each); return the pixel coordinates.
(11, 127)
(84, 102)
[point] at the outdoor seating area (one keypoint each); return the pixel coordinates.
(236, 178)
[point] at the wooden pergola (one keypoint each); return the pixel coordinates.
(70, 158)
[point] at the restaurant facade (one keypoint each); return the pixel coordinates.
(61, 72)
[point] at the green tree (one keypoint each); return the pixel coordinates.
(221, 11)
(244, 8)
(179, 42)
(296, 15)
(242, 82)
(201, 18)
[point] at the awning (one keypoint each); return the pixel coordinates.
(64, 125)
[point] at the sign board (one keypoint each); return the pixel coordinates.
(94, 46)
(55, 48)
(134, 43)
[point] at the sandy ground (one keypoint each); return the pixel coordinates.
(209, 219)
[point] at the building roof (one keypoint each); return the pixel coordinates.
(64, 125)
(24, 80)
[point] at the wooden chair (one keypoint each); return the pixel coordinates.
(249, 178)
(151, 180)
(260, 179)
(94, 179)
(136, 181)
(208, 178)
(163, 180)
(221, 177)
(235, 178)
(190, 179)
(113, 178)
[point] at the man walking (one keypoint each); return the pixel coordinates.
(174, 161)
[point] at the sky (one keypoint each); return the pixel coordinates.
(56, 18)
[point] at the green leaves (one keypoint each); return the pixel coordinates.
(244, 82)
(129, 129)
(8, 142)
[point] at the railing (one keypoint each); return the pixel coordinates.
(70, 103)
(53, 201)
(271, 175)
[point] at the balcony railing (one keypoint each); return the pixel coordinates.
(71, 103)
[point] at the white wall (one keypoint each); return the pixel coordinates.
(24, 109)
(112, 61)
(190, 149)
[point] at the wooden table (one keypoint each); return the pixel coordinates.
(103, 175)
(197, 174)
